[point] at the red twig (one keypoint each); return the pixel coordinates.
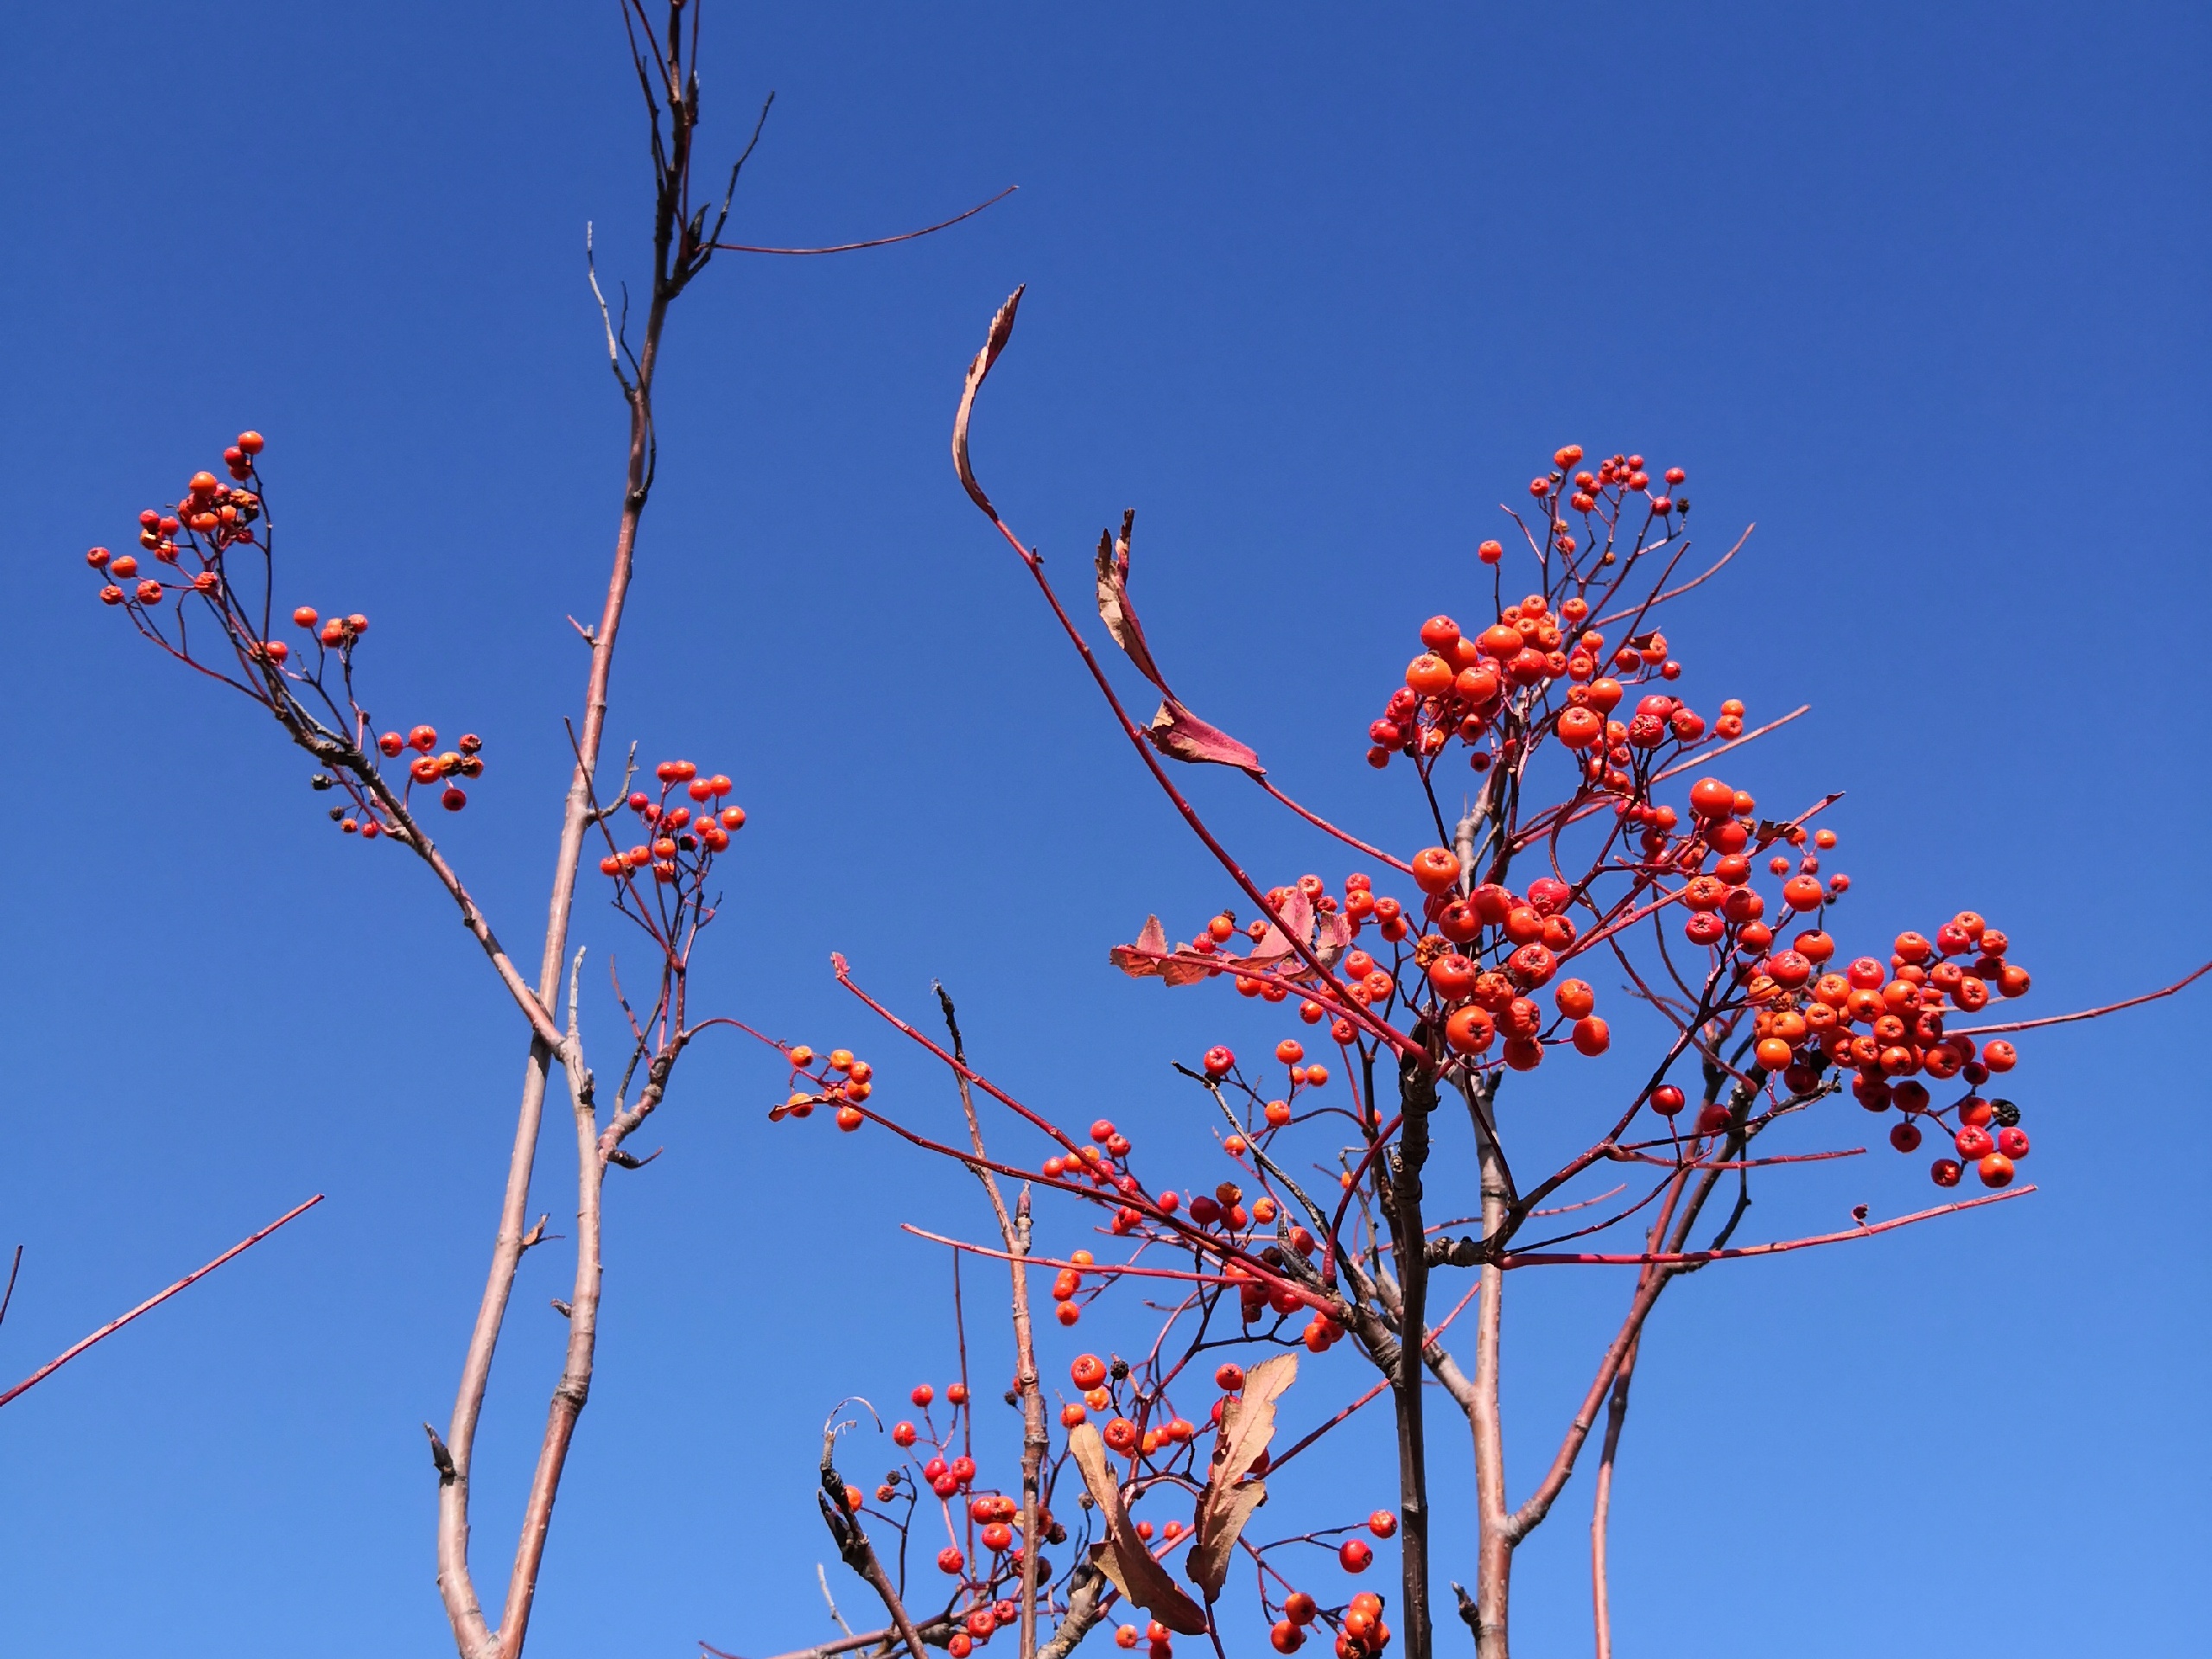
(1698, 1258)
(1322, 823)
(2087, 1013)
(152, 1303)
(1110, 1270)
(1676, 593)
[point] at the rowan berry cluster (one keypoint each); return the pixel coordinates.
(840, 1080)
(985, 1554)
(201, 538)
(1168, 1458)
(211, 517)
(367, 816)
(685, 827)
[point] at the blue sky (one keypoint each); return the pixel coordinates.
(1919, 290)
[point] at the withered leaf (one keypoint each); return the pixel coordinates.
(1183, 973)
(1124, 1558)
(1214, 1539)
(1248, 1423)
(1297, 914)
(1001, 330)
(1175, 731)
(1142, 960)
(1115, 608)
(1181, 735)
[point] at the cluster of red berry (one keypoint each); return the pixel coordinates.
(1361, 1632)
(1885, 1022)
(210, 517)
(1463, 688)
(981, 1607)
(839, 1080)
(1161, 1447)
(1602, 499)
(685, 828)
(682, 842)
(194, 537)
(366, 818)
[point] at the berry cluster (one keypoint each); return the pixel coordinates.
(202, 538)
(685, 829)
(840, 1080)
(367, 817)
(986, 1555)
(211, 518)
(1887, 1022)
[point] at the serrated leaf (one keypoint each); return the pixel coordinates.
(1001, 330)
(1142, 960)
(1248, 1423)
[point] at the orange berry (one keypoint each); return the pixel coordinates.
(1436, 868)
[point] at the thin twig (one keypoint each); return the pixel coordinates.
(877, 242)
(151, 1303)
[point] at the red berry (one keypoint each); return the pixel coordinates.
(1354, 1555)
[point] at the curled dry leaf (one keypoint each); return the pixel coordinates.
(1113, 608)
(1248, 1423)
(1124, 1558)
(1149, 958)
(1175, 731)
(1001, 330)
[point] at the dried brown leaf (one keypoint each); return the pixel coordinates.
(1214, 1540)
(1001, 330)
(1115, 608)
(1124, 1558)
(1248, 1423)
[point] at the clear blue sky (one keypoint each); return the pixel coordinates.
(1923, 290)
